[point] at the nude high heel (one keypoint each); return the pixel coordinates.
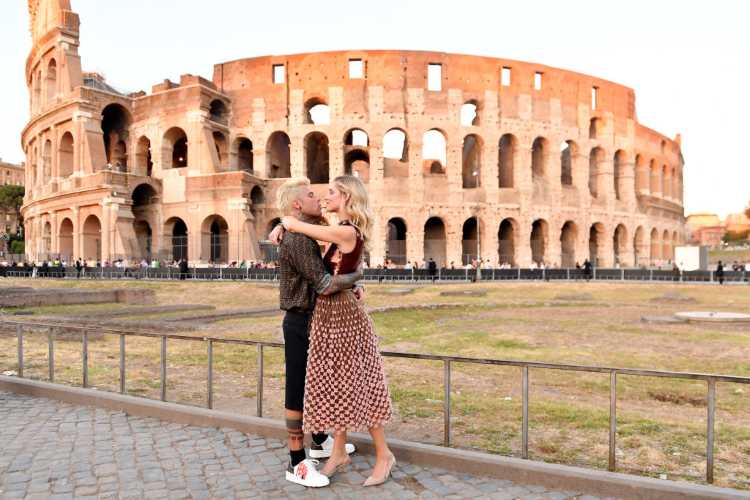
(373, 481)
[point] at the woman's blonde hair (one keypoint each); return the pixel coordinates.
(357, 203)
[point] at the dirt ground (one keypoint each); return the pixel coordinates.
(661, 422)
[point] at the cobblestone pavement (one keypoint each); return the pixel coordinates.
(55, 450)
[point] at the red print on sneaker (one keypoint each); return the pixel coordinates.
(302, 470)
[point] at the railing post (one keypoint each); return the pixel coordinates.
(163, 362)
(710, 430)
(525, 411)
(122, 363)
(51, 353)
(85, 358)
(210, 381)
(519, 274)
(567, 273)
(446, 403)
(612, 420)
(19, 337)
(259, 392)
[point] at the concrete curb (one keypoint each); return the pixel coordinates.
(560, 477)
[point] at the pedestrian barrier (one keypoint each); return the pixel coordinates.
(448, 362)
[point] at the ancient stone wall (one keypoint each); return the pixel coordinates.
(519, 161)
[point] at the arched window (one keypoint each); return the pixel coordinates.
(356, 154)
(620, 244)
(469, 241)
(116, 130)
(655, 174)
(218, 112)
(506, 251)
(396, 242)
(176, 148)
(568, 150)
(434, 148)
(143, 160)
(538, 241)
(395, 154)
(568, 237)
(596, 239)
(618, 166)
(66, 155)
(317, 112)
(244, 150)
(434, 241)
(641, 174)
(316, 158)
(470, 114)
(539, 158)
(278, 160)
(506, 160)
(596, 159)
(471, 162)
(51, 80)
(595, 128)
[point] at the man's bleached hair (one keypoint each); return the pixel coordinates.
(288, 192)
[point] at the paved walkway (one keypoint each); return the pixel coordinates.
(55, 450)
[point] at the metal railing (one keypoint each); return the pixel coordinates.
(447, 361)
(385, 275)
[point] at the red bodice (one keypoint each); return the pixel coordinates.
(337, 262)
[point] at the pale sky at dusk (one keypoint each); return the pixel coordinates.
(689, 62)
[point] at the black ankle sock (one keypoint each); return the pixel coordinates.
(319, 438)
(297, 456)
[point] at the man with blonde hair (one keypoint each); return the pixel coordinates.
(302, 276)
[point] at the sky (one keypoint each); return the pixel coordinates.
(688, 61)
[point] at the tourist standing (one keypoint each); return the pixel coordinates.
(345, 388)
(720, 272)
(302, 275)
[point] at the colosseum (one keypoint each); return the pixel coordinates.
(520, 162)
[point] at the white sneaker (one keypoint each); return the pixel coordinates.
(306, 473)
(324, 450)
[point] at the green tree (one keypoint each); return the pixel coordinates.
(11, 199)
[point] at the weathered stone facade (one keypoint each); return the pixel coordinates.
(554, 164)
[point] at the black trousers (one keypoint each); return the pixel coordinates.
(296, 326)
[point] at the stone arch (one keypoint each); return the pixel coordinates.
(470, 233)
(640, 248)
(619, 165)
(51, 80)
(46, 240)
(506, 242)
(568, 238)
(317, 111)
(357, 154)
(595, 128)
(176, 239)
(676, 240)
(144, 198)
(538, 240)
(641, 174)
(143, 160)
(218, 111)
(568, 151)
(665, 182)
(666, 241)
(66, 155)
(65, 239)
(175, 146)
(46, 162)
(215, 239)
(620, 244)
(596, 160)
(395, 153)
(278, 159)
(242, 148)
(116, 122)
(435, 241)
(396, 240)
(34, 166)
(37, 86)
(507, 148)
(654, 178)
(471, 161)
(539, 149)
(92, 238)
(317, 166)
(257, 197)
(222, 152)
(469, 115)
(434, 147)
(596, 241)
(655, 253)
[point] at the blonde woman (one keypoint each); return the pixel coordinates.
(345, 388)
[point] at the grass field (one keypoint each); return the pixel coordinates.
(661, 422)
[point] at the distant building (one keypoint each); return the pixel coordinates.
(708, 229)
